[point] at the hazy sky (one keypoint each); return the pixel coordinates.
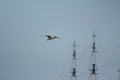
(24, 55)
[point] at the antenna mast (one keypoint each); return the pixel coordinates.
(93, 70)
(73, 76)
(119, 75)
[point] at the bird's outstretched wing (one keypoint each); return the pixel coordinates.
(48, 36)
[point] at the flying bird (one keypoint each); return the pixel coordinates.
(51, 37)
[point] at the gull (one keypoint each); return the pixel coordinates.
(49, 37)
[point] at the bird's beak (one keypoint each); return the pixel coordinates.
(59, 38)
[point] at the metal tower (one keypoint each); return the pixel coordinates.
(73, 76)
(93, 69)
(119, 75)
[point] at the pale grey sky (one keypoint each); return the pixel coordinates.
(24, 55)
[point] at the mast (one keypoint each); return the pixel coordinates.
(119, 75)
(73, 73)
(93, 69)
